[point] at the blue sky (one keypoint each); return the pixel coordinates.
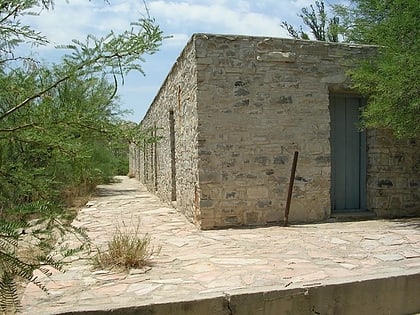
(177, 18)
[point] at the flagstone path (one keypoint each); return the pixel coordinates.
(195, 264)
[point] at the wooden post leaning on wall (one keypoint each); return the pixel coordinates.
(290, 191)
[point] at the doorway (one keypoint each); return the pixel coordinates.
(173, 155)
(348, 154)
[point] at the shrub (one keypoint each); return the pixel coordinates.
(127, 249)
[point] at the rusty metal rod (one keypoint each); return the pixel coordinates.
(289, 193)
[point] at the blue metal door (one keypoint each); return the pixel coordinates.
(348, 154)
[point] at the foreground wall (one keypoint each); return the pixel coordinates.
(168, 167)
(393, 179)
(259, 100)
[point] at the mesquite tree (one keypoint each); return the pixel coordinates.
(390, 80)
(59, 125)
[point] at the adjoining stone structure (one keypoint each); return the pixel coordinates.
(230, 115)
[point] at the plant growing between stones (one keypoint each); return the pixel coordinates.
(128, 249)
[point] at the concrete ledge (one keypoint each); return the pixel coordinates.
(391, 295)
(214, 306)
(387, 295)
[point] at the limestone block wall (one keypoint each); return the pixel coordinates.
(230, 115)
(169, 166)
(133, 160)
(259, 100)
(393, 175)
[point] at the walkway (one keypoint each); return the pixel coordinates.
(196, 264)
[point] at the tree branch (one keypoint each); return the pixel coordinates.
(11, 13)
(18, 128)
(29, 99)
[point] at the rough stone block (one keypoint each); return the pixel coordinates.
(277, 56)
(257, 192)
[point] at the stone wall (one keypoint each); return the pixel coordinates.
(240, 108)
(259, 100)
(133, 161)
(173, 114)
(393, 179)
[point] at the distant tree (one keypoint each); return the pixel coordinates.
(390, 80)
(316, 18)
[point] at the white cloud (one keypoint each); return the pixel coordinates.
(63, 23)
(180, 18)
(118, 8)
(78, 18)
(217, 18)
(298, 4)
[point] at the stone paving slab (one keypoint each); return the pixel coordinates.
(196, 264)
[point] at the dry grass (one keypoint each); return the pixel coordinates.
(76, 197)
(127, 249)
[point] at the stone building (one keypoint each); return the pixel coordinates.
(230, 115)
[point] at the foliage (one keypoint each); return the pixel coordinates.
(11, 266)
(61, 131)
(126, 250)
(390, 79)
(23, 250)
(13, 32)
(321, 27)
(59, 142)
